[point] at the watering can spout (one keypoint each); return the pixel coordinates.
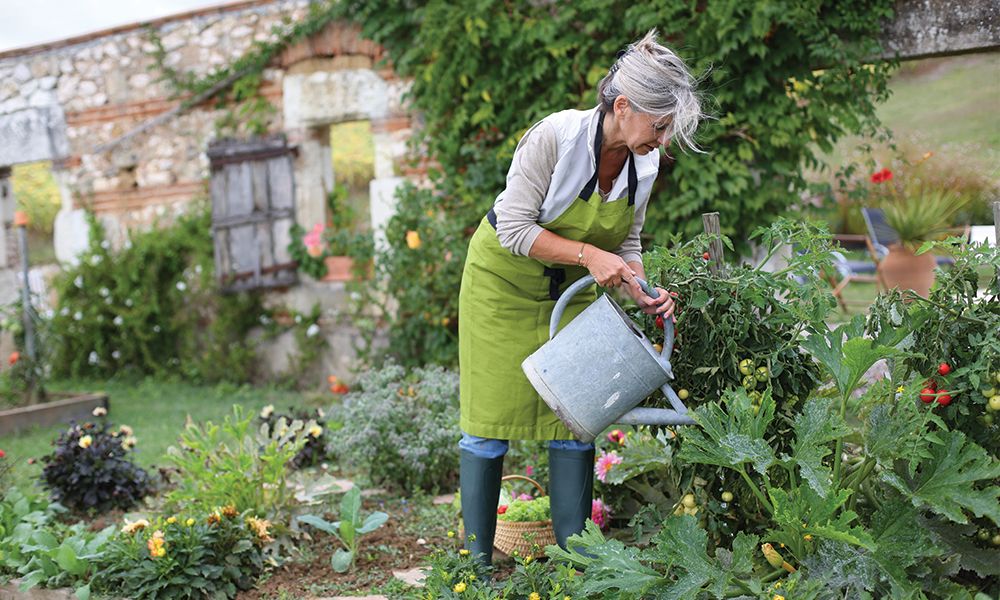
(601, 366)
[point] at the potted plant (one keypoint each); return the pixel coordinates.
(333, 251)
(918, 211)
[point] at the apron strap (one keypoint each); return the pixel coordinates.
(557, 276)
(633, 179)
(588, 190)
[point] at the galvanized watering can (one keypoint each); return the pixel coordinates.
(601, 365)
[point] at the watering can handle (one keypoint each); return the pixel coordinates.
(586, 280)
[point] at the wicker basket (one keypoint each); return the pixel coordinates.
(510, 535)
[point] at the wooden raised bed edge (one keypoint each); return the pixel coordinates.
(70, 406)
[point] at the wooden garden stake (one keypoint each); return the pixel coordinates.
(712, 227)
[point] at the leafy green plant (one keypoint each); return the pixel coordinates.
(349, 529)
(535, 509)
(235, 463)
(91, 469)
(211, 555)
(152, 307)
(38, 548)
(400, 427)
(314, 451)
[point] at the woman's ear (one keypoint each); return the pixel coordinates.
(621, 104)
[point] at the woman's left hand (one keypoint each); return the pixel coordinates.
(661, 305)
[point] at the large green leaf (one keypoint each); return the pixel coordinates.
(681, 546)
(610, 564)
(802, 511)
(946, 483)
(341, 560)
(900, 542)
(730, 437)
(815, 427)
(848, 360)
(373, 522)
(958, 539)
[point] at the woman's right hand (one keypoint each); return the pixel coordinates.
(607, 268)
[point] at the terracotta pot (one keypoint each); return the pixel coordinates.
(339, 268)
(904, 270)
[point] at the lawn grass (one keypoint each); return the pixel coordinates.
(156, 410)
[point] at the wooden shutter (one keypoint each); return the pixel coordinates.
(253, 208)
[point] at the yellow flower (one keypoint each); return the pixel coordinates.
(260, 528)
(451, 534)
(315, 431)
(130, 528)
(229, 511)
(900, 390)
(777, 584)
(778, 597)
(527, 559)
(129, 442)
(459, 587)
(189, 522)
(534, 596)
(412, 239)
(463, 552)
(807, 537)
(86, 441)
(125, 430)
(156, 545)
(171, 520)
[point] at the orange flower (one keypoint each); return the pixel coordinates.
(412, 239)
(339, 388)
(13, 358)
(156, 545)
(229, 511)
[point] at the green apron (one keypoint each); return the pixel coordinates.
(504, 308)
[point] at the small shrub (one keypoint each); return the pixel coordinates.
(209, 555)
(234, 463)
(91, 469)
(314, 450)
(402, 428)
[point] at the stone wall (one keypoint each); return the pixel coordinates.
(67, 100)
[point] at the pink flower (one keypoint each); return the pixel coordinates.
(605, 462)
(599, 514)
(529, 470)
(314, 240)
(525, 497)
(616, 437)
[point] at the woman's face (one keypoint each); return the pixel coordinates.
(643, 133)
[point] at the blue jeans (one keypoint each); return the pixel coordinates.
(491, 448)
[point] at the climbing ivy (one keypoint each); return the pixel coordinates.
(782, 79)
(236, 86)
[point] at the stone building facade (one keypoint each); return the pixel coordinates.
(72, 101)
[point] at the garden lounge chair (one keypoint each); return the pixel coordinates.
(847, 270)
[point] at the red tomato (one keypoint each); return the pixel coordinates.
(706, 256)
(659, 321)
(944, 369)
(927, 395)
(943, 399)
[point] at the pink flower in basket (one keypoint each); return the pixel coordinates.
(599, 514)
(605, 462)
(525, 497)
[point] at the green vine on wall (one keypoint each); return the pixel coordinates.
(236, 86)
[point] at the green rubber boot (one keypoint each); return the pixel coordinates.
(479, 479)
(571, 491)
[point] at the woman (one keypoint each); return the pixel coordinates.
(574, 203)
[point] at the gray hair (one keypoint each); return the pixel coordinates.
(657, 82)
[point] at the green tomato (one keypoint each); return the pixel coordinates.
(746, 366)
(995, 403)
(996, 540)
(688, 501)
(762, 374)
(683, 394)
(984, 534)
(987, 419)
(749, 382)
(996, 377)
(727, 496)
(990, 391)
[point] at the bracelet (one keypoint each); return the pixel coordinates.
(579, 255)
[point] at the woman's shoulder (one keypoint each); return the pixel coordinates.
(571, 123)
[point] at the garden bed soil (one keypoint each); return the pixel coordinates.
(380, 553)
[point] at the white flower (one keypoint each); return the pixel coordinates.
(93, 358)
(105, 244)
(78, 282)
(95, 259)
(100, 411)
(77, 316)
(104, 292)
(197, 269)
(264, 320)
(50, 313)
(107, 300)
(298, 318)
(156, 328)
(267, 411)
(313, 330)
(64, 311)
(181, 286)
(118, 321)
(128, 302)
(116, 354)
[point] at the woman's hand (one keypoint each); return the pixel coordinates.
(607, 268)
(663, 304)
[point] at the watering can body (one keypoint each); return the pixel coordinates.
(601, 366)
